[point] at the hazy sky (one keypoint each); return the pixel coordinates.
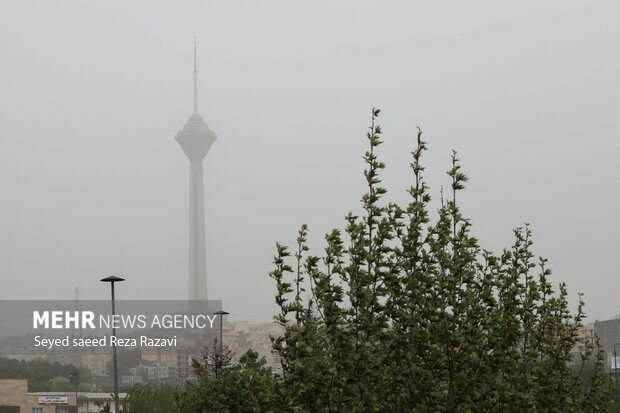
(92, 93)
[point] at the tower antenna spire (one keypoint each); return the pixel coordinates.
(195, 79)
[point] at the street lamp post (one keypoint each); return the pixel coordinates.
(616, 370)
(221, 313)
(76, 376)
(112, 280)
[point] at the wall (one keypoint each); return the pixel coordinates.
(16, 392)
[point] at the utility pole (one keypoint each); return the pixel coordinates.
(112, 280)
(221, 313)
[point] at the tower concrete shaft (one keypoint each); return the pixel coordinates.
(197, 281)
(196, 139)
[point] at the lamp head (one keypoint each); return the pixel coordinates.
(112, 279)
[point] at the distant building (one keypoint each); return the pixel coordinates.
(585, 335)
(244, 336)
(162, 373)
(14, 393)
(130, 380)
(97, 363)
(184, 365)
(163, 356)
(608, 332)
(89, 402)
(178, 359)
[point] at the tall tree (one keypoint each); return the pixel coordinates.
(413, 315)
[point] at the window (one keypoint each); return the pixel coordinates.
(61, 409)
(37, 410)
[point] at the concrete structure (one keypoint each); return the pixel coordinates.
(162, 373)
(130, 380)
(585, 335)
(608, 332)
(15, 393)
(97, 363)
(89, 402)
(196, 139)
(162, 356)
(244, 336)
(177, 364)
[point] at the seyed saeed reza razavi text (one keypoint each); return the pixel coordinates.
(142, 341)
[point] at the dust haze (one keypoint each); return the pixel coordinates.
(93, 183)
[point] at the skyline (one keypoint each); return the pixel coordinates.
(528, 94)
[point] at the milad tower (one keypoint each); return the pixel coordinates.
(196, 139)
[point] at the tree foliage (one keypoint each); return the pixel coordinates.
(39, 373)
(249, 386)
(149, 398)
(413, 315)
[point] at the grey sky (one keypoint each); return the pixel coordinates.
(92, 93)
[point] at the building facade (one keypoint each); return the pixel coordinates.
(14, 394)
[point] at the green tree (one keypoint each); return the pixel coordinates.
(148, 398)
(247, 387)
(413, 315)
